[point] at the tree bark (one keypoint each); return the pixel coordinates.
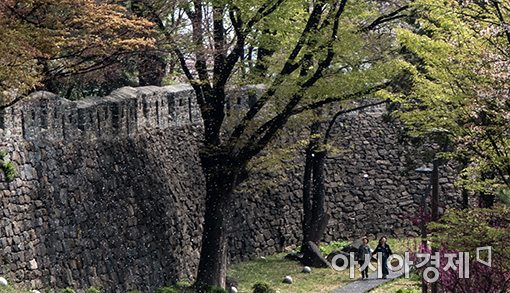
(314, 218)
(465, 199)
(308, 184)
(221, 174)
(319, 217)
(435, 191)
(307, 189)
(486, 200)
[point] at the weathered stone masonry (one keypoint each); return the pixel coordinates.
(109, 190)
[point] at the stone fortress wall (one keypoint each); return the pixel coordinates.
(109, 191)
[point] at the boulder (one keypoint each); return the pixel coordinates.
(294, 256)
(339, 261)
(350, 248)
(307, 270)
(3, 282)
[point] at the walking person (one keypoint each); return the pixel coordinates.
(364, 255)
(385, 251)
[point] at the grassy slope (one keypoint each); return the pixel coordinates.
(274, 268)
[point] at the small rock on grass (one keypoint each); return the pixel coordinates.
(3, 281)
(287, 280)
(233, 290)
(307, 270)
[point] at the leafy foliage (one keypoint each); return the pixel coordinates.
(458, 63)
(43, 40)
(167, 290)
(332, 246)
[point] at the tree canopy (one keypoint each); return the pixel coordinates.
(43, 40)
(458, 58)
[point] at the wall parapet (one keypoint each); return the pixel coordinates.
(125, 112)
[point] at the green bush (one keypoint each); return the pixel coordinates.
(92, 290)
(168, 290)
(408, 291)
(183, 284)
(67, 290)
(262, 288)
(332, 246)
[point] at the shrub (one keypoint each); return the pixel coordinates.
(182, 284)
(92, 290)
(332, 246)
(262, 288)
(67, 290)
(168, 290)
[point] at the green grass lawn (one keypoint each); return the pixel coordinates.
(273, 269)
(10, 289)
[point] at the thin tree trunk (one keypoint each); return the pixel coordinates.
(307, 183)
(307, 188)
(465, 198)
(486, 200)
(435, 191)
(319, 217)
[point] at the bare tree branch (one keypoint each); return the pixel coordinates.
(385, 18)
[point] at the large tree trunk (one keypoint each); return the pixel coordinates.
(221, 174)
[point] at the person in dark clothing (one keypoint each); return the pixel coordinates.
(364, 255)
(385, 251)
